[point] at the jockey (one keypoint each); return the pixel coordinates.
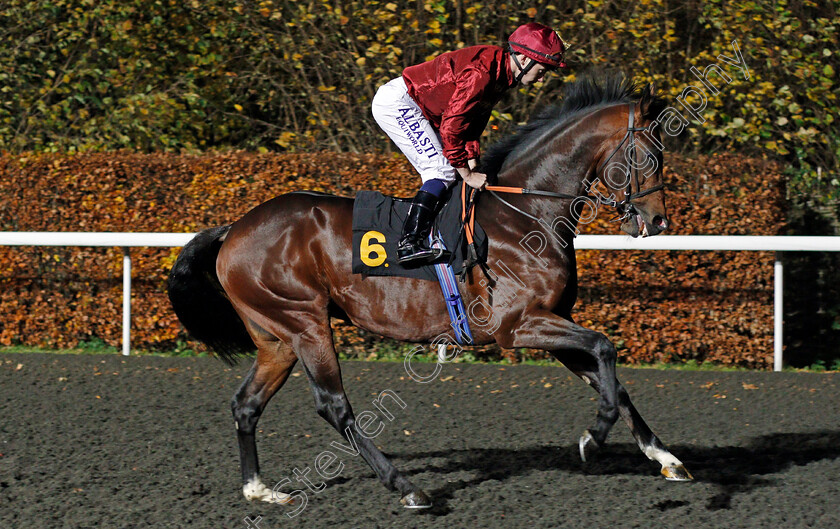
(436, 111)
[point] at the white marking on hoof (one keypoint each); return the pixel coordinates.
(587, 442)
(672, 468)
(255, 490)
(663, 457)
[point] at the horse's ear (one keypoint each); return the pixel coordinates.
(647, 98)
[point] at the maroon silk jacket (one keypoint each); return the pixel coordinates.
(456, 92)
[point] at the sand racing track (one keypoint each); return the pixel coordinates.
(118, 442)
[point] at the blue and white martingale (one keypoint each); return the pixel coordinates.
(452, 296)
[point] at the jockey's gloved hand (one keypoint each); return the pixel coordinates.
(472, 178)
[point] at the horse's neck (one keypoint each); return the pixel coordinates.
(552, 166)
(560, 162)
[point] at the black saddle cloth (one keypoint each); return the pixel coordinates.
(377, 225)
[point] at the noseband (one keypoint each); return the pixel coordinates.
(625, 208)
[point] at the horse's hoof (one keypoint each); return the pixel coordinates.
(255, 490)
(588, 445)
(416, 500)
(676, 473)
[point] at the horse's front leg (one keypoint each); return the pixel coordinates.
(649, 443)
(545, 330)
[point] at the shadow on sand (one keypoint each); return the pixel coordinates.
(732, 469)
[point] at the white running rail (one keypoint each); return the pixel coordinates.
(758, 243)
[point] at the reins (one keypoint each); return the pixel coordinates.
(522, 191)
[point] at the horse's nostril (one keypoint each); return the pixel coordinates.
(660, 222)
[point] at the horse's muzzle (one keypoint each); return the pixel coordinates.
(636, 226)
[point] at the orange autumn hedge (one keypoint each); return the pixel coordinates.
(655, 305)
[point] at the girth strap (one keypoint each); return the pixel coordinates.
(468, 195)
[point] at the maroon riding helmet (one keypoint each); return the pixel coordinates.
(539, 43)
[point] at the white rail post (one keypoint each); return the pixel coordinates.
(126, 323)
(778, 312)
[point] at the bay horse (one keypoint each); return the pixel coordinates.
(272, 280)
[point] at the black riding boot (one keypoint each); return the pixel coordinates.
(413, 247)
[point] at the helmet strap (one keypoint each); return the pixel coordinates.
(522, 70)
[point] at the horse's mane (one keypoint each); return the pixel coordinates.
(590, 92)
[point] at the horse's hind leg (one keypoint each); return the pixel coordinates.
(274, 362)
(317, 353)
(651, 446)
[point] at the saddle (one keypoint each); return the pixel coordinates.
(377, 225)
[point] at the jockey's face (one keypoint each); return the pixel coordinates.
(535, 75)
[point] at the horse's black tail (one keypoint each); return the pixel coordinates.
(200, 302)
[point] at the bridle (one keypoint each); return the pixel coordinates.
(625, 208)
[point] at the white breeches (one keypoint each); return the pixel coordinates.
(403, 121)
